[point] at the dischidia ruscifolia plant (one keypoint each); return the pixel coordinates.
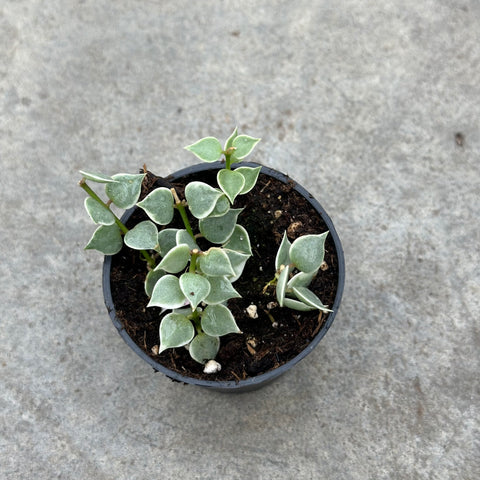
(195, 284)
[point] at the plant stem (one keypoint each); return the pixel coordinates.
(181, 208)
(193, 261)
(122, 227)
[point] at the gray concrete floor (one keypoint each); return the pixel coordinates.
(359, 101)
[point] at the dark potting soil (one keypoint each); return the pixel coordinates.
(266, 342)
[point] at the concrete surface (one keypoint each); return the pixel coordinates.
(359, 101)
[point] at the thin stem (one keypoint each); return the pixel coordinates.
(122, 227)
(193, 261)
(181, 208)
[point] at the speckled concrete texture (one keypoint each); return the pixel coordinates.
(373, 106)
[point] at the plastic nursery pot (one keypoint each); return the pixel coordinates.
(250, 383)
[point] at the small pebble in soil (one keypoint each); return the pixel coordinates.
(155, 349)
(324, 266)
(212, 366)
(252, 311)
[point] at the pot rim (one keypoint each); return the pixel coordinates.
(250, 383)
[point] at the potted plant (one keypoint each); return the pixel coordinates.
(224, 274)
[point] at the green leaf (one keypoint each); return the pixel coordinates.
(194, 287)
(231, 182)
(176, 330)
(153, 276)
(207, 149)
(283, 253)
(106, 239)
(238, 261)
(215, 263)
(282, 285)
(239, 241)
(221, 207)
(217, 320)
(176, 259)
(307, 252)
(302, 279)
(296, 305)
(167, 293)
(243, 146)
(309, 298)
(167, 239)
(250, 175)
(230, 139)
(204, 347)
(184, 237)
(219, 229)
(144, 236)
(221, 291)
(97, 177)
(201, 198)
(98, 212)
(159, 205)
(125, 191)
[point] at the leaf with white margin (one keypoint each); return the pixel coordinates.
(230, 139)
(221, 291)
(176, 330)
(250, 175)
(125, 191)
(243, 146)
(98, 212)
(239, 241)
(309, 298)
(153, 276)
(204, 347)
(207, 149)
(238, 261)
(221, 207)
(296, 305)
(231, 182)
(219, 229)
(183, 236)
(159, 205)
(201, 198)
(215, 263)
(283, 253)
(167, 293)
(217, 320)
(194, 287)
(301, 279)
(107, 239)
(175, 260)
(167, 239)
(307, 252)
(97, 177)
(282, 285)
(143, 236)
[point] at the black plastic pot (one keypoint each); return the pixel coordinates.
(252, 383)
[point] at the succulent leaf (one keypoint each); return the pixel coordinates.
(144, 236)
(207, 149)
(221, 291)
(167, 239)
(98, 212)
(231, 182)
(217, 320)
(219, 229)
(201, 198)
(243, 146)
(167, 293)
(159, 205)
(309, 298)
(204, 347)
(194, 287)
(215, 263)
(307, 252)
(282, 285)
(124, 192)
(97, 177)
(283, 253)
(250, 175)
(176, 330)
(175, 260)
(107, 239)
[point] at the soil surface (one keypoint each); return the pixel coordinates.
(278, 334)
